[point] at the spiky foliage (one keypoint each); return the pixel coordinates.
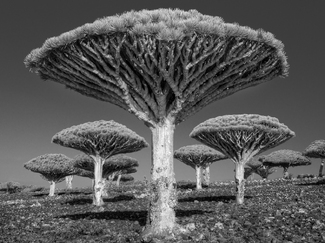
(103, 138)
(240, 137)
(317, 150)
(285, 158)
(163, 66)
(198, 156)
(259, 168)
(52, 167)
(159, 62)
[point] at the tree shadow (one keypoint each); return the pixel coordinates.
(140, 216)
(224, 199)
(82, 201)
(317, 183)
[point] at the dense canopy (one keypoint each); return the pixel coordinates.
(285, 158)
(234, 135)
(52, 167)
(159, 62)
(198, 155)
(106, 138)
(316, 149)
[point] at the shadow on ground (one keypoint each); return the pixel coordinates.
(82, 201)
(224, 199)
(140, 216)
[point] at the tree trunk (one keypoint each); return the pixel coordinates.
(240, 182)
(99, 182)
(161, 221)
(198, 177)
(285, 172)
(52, 188)
(68, 181)
(118, 180)
(106, 187)
(320, 173)
(206, 175)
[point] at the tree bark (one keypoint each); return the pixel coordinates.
(240, 182)
(206, 175)
(52, 188)
(161, 221)
(99, 182)
(68, 181)
(106, 187)
(198, 178)
(320, 173)
(285, 172)
(118, 180)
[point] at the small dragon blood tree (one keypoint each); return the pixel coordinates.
(52, 167)
(317, 150)
(123, 173)
(162, 66)
(100, 140)
(198, 156)
(240, 137)
(285, 158)
(259, 168)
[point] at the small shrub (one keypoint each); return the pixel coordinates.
(13, 187)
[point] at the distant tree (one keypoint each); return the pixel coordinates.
(284, 158)
(162, 66)
(259, 168)
(52, 167)
(240, 137)
(124, 178)
(68, 181)
(122, 173)
(100, 140)
(198, 156)
(317, 150)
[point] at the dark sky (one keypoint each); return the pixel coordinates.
(32, 111)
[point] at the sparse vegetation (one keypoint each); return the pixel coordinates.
(275, 211)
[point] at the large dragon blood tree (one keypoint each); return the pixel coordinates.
(240, 137)
(52, 167)
(317, 150)
(100, 140)
(162, 66)
(285, 158)
(198, 156)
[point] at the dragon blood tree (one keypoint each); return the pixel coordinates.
(259, 168)
(317, 150)
(52, 167)
(198, 156)
(100, 140)
(285, 158)
(68, 181)
(123, 173)
(162, 66)
(240, 137)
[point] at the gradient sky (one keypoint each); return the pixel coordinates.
(32, 111)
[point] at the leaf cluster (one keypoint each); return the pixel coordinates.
(198, 155)
(316, 149)
(52, 167)
(164, 24)
(106, 138)
(284, 158)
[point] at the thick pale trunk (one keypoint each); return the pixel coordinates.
(320, 173)
(198, 177)
(52, 188)
(285, 172)
(68, 181)
(118, 180)
(206, 175)
(240, 182)
(161, 221)
(99, 182)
